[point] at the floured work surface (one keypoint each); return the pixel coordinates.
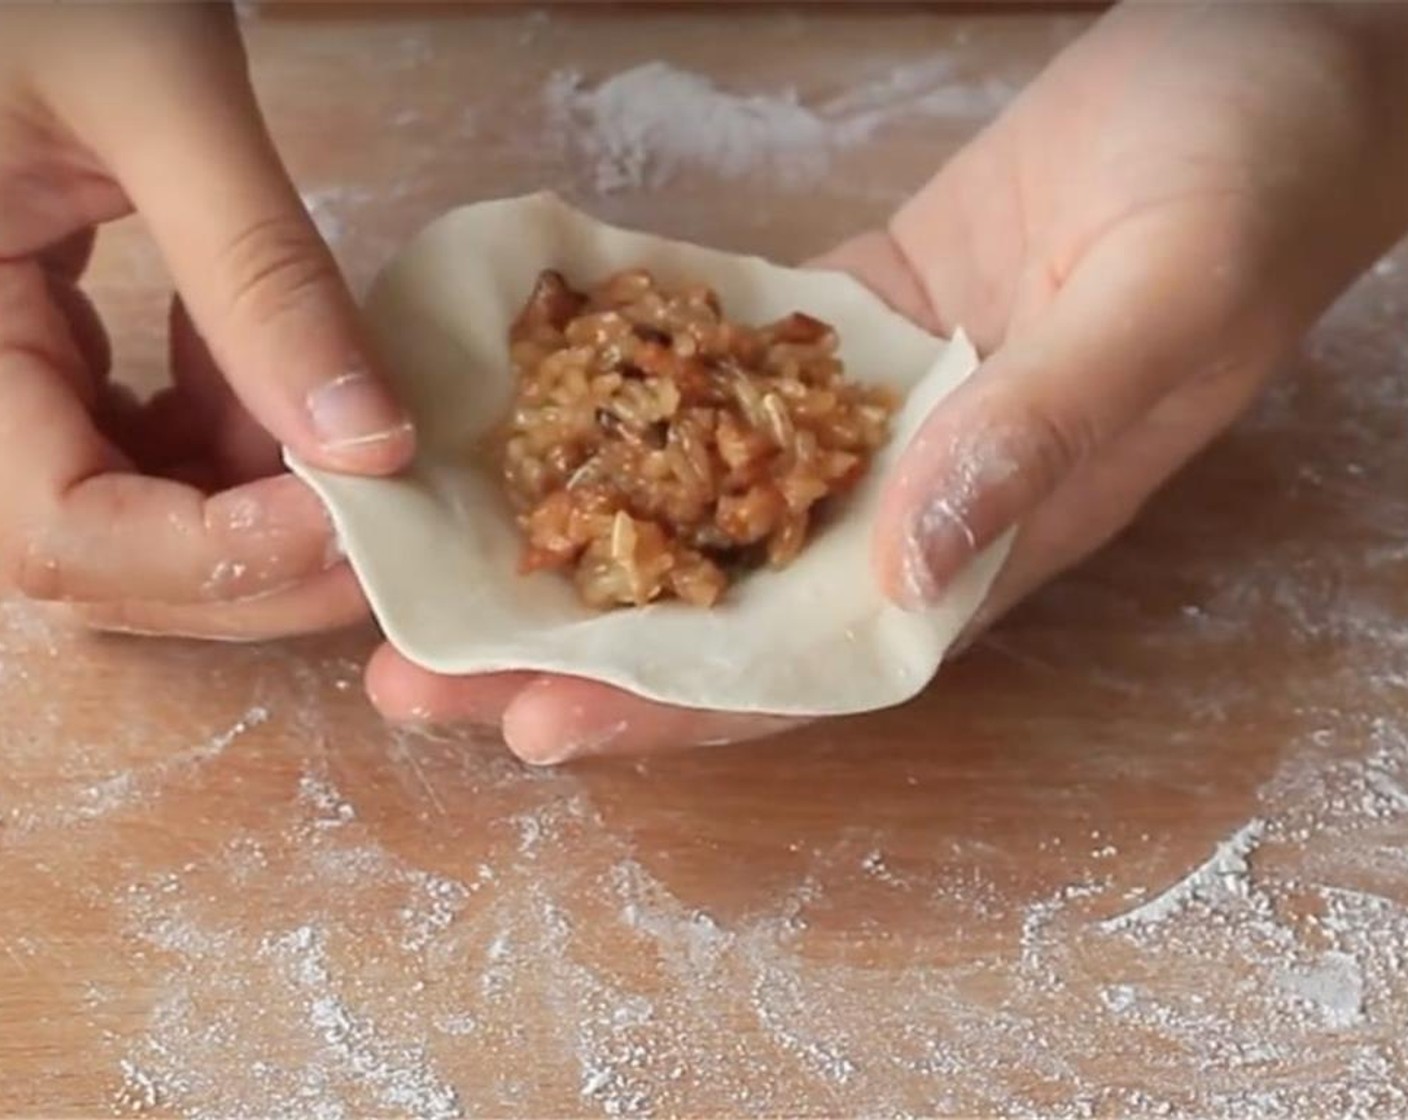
(1142, 853)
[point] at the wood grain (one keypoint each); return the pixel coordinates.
(230, 890)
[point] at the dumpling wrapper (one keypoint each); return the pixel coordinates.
(437, 548)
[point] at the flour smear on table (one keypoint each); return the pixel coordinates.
(335, 1012)
(652, 124)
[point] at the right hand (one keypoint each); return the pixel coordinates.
(173, 516)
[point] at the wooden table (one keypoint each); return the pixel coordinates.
(1143, 852)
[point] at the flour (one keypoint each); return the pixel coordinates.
(458, 1024)
(645, 127)
(1118, 998)
(324, 207)
(1035, 934)
(398, 1077)
(874, 865)
(1334, 987)
(435, 902)
(1224, 874)
(125, 790)
(139, 1091)
(331, 208)
(330, 808)
(354, 1058)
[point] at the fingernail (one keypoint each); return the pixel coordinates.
(354, 409)
(940, 536)
(937, 543)
(598, 741)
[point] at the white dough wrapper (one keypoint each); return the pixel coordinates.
(437, 548)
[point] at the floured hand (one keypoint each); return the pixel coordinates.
(171, 516)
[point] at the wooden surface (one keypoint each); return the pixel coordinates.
(1143, 852)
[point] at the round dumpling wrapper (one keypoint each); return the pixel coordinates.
(436, 548)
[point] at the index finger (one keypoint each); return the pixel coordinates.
(261, 285)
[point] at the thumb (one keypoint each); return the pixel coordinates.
(261, 286)
(1132, 322)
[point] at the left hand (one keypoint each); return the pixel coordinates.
(172, 515)
(1133, 245)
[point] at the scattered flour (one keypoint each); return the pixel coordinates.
(1224, 874)
(330, 809)
(1334, 987)
(330, 208)
(139, 1091)
(645, 127)
(397, 1076)
(208, 1016)
(458, 1024)
(129, 788)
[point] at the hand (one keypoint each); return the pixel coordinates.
(1134, 245)
(173, 515)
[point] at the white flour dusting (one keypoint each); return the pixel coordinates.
(651, 1002)
(139, 1091)
(350, 1060)
(332, 209)
(643, 127)
(1334, 987)
(647, 126)
(1225, 874)
(399, 1079)
(129, 788)
(330, 810)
